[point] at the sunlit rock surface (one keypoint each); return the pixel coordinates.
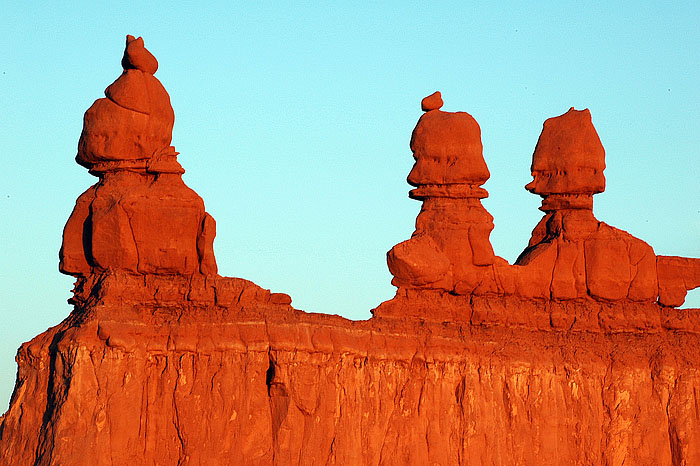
(575, 354)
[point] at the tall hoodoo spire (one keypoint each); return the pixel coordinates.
(570, 256)
(450, 248)
(118, 222)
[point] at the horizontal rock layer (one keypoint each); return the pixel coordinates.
(212, 370)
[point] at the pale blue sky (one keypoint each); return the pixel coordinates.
(293, 122)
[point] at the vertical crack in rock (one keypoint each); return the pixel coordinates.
(54, 399)
(176, 411)
(673, 438)
(278, 399)
(139, 266)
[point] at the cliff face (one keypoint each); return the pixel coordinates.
(161, 371)
(575, 354)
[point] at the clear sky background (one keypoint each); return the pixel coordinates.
(293, 122)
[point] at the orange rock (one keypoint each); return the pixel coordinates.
(677, 275)
(593, 259)
(450, 248)
(447, 148)
(608, 273)
(205, 246)
(130, 377)
(118, 224)
(280, 298)
(534, 271)
(134, 121)
(563, 358)
(432, 102)
(137, 57)
(570, 256)
(569, 277)
(76, 254)
(417, 261)
(569, 158)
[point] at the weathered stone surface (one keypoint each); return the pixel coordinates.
(156, 370)
(450, 248)
(569, 158)
(119, 222)
(571, 255)
(677, 275)
(432, 102)
(134, 121)
(567, 167)
(447, 148)
(573, 355)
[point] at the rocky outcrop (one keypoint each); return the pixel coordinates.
(450, 248)
(119, 222)
(571, 254)
(151, 370)
(582, 255)
(572, 355)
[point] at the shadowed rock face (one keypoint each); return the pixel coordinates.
(573, 355)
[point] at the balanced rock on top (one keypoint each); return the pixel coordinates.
(119, 222)
(134, 122)
(450, 248)
(571, 254)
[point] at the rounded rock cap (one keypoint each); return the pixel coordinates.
(447, 147)
(569, 157)
(134, 121)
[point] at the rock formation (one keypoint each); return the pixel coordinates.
(571, 254)
(573, 355)
(579, 255)
(118, 222)
(450, 248)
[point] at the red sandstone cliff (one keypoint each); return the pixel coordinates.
(573, 355)
(159, 371)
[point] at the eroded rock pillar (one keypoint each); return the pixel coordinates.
(140, 217)
(450, 248)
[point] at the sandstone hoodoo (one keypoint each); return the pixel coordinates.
(571, 255)
(578, 254)
(118, 223)
(450, 248)
(575, 354)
